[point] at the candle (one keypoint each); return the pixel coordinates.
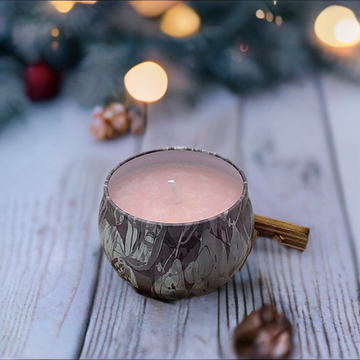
(204, 193)
(178, 222)
(171, 249)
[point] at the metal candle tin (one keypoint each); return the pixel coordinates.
(173, 261)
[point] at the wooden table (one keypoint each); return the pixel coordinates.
(299, 147)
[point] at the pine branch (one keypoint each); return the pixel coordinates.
(12, 99)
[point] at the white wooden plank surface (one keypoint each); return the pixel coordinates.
(341, 100)
(51, 176)
(280, 141)
(50, 169)
(292, 178)
(212, 124)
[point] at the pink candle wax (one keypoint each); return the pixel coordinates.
(204, 192)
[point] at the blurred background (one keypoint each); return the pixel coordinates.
(84, 48)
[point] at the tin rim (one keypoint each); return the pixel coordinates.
(241, 199)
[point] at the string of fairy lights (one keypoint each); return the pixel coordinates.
(336, 25)
(336, 28)
(177, 19)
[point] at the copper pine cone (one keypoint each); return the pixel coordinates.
(120, 123)
(264, 334)
(114, 120)
(109, 121)
(101, 129)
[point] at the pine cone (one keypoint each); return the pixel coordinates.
(97, 110)
(117, 108)
(101, 129)
(120, 123)
(263, 334)
(109, 122)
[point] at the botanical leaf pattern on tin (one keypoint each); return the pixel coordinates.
(169, 261)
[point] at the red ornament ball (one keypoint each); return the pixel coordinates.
(41, 82)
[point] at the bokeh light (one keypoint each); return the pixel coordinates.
(150, 9)
(180, 21)
(260, 14)
(244, 47)
(269, 16)
(55, 32)
(146, 82)
(63, 6)
(54, 45)
(347, 30)
(337, 26)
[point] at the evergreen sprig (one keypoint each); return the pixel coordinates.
(233, 47)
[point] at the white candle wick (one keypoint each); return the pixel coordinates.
(174, 191)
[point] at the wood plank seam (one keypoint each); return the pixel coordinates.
(336, 171)
(82, 340)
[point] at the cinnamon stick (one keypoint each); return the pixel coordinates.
(293, 236)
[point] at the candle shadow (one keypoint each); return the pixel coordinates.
(165, 301)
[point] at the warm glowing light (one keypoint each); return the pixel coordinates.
(150, 9)
(278, 20)
(337, 26)
(347, 30)
(146, 82)
(269, 16)
(180, 21)
(55, 45)
(55, 32)
(275, 1)
(63, 6)
(260, 14)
